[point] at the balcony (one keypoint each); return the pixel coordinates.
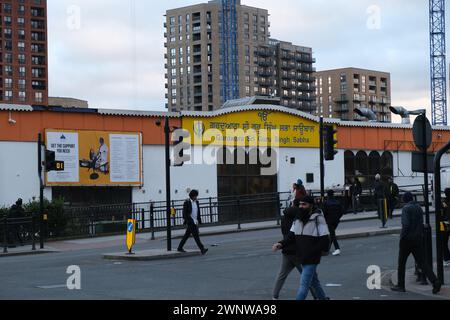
(342, 109)
(264, 53)
(342, 99)
(265, 63)
(384, 101)
(265, 73)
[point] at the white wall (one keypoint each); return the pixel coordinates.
(202, 177)
(18, 172)
(308, 161)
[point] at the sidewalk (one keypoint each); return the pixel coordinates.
(416, 287)
(344, 232)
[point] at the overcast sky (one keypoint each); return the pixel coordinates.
(111, 52)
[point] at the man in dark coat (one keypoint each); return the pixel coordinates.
(16, 212)
(392, 196)
(411, 241)
(333, 213)
(379, 190)
(192, 219)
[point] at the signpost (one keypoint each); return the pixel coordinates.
(422, 133)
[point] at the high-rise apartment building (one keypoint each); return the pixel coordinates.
(340, 91)
(221, 50)
(23, 61)
(286, 71)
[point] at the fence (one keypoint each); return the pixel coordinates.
(22, 229)
(151, 216)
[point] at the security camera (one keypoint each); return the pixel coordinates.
(158, 123)
(12, 121)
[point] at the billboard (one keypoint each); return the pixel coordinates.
(95, 158)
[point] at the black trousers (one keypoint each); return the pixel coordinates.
(392, 202)
(445, 237)
(191, 229)
(416, 248)
(381, 208)
(333, 239)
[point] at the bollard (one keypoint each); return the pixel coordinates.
(152, 221)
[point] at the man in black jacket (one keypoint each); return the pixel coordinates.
(392, 196)
(192, 218)
(379, 190)
(333, 212)
(311, 237)
(411, 242)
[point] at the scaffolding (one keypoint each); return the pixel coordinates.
(438, 63)
(229, 52)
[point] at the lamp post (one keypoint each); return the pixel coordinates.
(422, 138)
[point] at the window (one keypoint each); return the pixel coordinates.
(8, 83)
(8, 95)
(172, 21)
(22, 96)
(38, 97)
(22, 72)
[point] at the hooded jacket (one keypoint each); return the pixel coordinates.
(311, 238)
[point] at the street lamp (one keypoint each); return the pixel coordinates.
(422, 143)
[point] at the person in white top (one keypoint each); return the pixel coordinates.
(192, 218)
(102, 160)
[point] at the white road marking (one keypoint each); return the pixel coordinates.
(58, 286)
(333, 285)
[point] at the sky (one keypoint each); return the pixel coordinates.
(111, 52)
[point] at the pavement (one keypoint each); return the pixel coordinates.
(412, 285)
(349, 228)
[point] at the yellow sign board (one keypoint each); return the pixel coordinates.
(254, 128)
(131, 234)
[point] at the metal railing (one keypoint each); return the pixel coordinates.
(22, 229)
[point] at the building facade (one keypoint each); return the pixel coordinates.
(365, 149)
(340, 91)
(221, 51)
(24, 67)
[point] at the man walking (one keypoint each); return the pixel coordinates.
(16, 212)
(289, 258)
(392, 196)
(192, 218)
(356, 194)
(380, 200)
(333, 212)
(411, 242)
(311, 237)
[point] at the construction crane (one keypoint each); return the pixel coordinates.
(229, 51)
(438, 63)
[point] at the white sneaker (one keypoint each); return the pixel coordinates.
(337, 253)
(447, 263)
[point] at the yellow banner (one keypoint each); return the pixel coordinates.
(95, 158)
(254, 128)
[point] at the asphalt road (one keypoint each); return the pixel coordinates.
(237, 267)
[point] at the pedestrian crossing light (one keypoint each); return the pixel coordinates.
(50, 162)
(329, 143)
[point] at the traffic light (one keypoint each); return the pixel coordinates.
(329, 143)
(50, 162)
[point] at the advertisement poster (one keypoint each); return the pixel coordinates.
(95, 158)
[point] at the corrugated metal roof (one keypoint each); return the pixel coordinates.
(15, 107)
(363, 124)
(136, 113)
(210, 114)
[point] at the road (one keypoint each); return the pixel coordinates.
(237, 267)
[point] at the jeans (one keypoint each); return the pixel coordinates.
(309, 279)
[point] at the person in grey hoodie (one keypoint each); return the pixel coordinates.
(411, 241)
(311, 237)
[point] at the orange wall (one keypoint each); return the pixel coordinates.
(359, 138)
(29, 124)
